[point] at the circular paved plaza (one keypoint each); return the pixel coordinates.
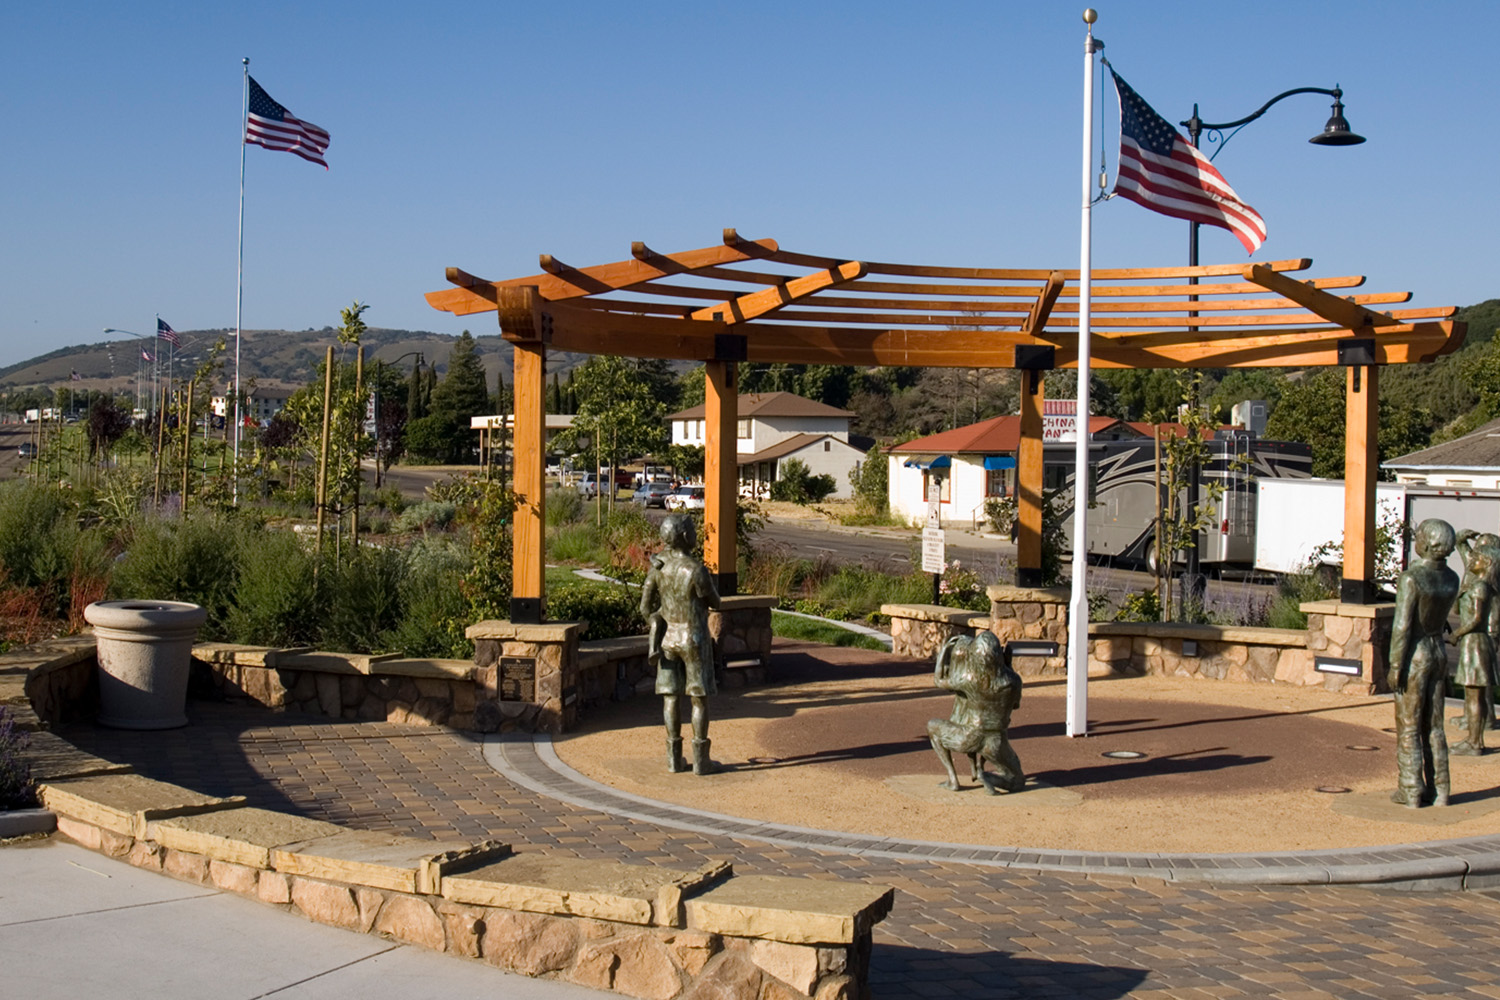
(1001, 923)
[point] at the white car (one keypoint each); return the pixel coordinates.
(685, 498)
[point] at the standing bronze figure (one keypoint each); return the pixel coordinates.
(675, 601)
(1476, 649)
(1418, 671)
(986, 690)
(1470, 542)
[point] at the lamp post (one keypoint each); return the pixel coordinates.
(376, 398)
(139, 336)
(1336, 132)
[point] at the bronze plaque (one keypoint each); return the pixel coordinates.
(518, 678)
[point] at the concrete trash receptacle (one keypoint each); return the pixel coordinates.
(145, 654)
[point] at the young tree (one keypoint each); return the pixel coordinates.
(616, 413)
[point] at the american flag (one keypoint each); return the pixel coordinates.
(165, 332)
(273, 126)
(75, 377)
(146, 357)
(1162, 171)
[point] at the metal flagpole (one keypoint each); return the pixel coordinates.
(1078, 616)
(239, 283)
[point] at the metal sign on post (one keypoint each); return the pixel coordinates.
(933, 553)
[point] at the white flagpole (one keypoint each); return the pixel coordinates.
(1078, 617)
(239, 283)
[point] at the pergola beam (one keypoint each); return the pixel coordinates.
(756, 304)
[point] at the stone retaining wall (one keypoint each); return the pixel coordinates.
(649, 932)
(1033, 613)
(921, 629)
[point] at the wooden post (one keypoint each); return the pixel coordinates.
(322, 494)
(1361, 430)
(529, 561)
(187, 442)
(721, 473)
(358, 416)
(1029, 481)
(161, 430)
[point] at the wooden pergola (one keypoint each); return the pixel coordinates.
(751, 301)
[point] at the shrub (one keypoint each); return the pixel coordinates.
(1144, 606)
(276, 599)
(430, 515)
(16, 788)
(1293, 590)
(960, 587)
(361, 597)
(610, 610)
(796, 484)
(562, 507)
(192, 560)
(389, 498)
(434, 609)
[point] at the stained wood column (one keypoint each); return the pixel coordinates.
(1361, 430)
(1029, 482)
(721, 473)
(529, 560)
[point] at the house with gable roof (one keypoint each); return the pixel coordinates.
(971, 465)
(775, 427)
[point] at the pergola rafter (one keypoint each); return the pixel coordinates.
(751, 301)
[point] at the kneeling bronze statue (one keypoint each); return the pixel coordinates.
(986, 690)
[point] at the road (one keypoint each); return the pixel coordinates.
(898, 550)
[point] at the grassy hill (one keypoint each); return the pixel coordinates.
(269, 356)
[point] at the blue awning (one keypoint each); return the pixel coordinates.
(993, 462)
(941, 462)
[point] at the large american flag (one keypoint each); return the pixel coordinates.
(165, 332)
(1162, 171)
(274, 127)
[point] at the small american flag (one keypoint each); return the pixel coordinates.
(1162, 171)
(274, 127)
(146, 357)
(75, 377)
(165, 332)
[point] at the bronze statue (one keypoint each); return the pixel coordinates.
(986, 690)
(1477, 608)
(1418, 670)
(675, 601)
(1470, 542)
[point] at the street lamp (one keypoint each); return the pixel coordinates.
(1336, 132)
(376, 405)
(139, 336)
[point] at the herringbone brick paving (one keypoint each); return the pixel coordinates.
(956, 930)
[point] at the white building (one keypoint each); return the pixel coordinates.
(261, 403)
(775, 427)
(970, 466)
(1469, 462)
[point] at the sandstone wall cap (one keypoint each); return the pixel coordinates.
(242, 836)
(378, 860)
(748, 602)
(1004, 593)
(794, 910)
(605, 890)
(1339, 608)
(1202, 633)
(930, 613)
(126, 803)
(549, 632)
(438, 669)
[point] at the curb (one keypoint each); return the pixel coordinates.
(530, 761)
(23, 822)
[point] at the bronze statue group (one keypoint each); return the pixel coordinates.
(679, 592)
(1418, 667)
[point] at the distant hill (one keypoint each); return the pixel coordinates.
(269, 356)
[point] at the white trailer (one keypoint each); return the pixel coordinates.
(1300, 516)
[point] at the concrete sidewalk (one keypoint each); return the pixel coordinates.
(74, 923)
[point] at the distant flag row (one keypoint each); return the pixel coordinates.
(271, 125)
(1162, 171)
(165, 332)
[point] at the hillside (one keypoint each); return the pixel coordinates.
(269, 356)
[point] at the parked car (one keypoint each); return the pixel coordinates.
(685, 498)
(28, 449)
(590, 485)
(652, 494)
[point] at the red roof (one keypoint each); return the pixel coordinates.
(997, 434)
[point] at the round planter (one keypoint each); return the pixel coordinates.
(145, 653)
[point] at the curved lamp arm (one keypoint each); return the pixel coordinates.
(1196, 125)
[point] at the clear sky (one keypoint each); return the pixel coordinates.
(479, 135)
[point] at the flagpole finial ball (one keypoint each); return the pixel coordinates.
(1090, 15)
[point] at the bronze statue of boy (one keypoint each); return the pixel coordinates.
(986, 690)
(1418, 669)
(675, 601)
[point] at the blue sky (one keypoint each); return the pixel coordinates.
(479, 135)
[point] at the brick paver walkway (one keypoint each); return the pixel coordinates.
(957, 930)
